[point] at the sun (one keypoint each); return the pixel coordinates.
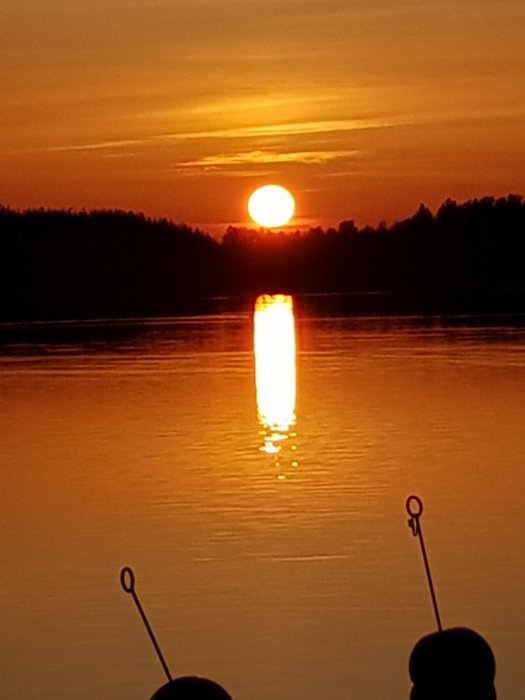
(271, 206)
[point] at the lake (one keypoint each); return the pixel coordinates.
(265, 523)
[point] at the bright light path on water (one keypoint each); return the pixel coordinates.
(275, 377)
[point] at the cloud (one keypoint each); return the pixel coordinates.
(242, 132)
(291, 129)
(265, 158)
(96, 146)
(298, 128)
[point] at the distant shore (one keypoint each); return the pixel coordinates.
(62, 265)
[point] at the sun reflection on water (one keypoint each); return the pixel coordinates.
(275, 376)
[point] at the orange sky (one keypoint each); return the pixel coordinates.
(180, 109)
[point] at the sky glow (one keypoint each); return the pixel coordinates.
(182, 109)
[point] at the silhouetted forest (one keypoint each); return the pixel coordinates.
(467, 258)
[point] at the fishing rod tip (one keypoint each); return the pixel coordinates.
(127, 579)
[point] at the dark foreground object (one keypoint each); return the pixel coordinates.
(191, 688)
(455, 664)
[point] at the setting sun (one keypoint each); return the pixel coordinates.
(271, 206)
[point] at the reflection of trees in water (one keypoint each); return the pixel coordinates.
(62, 264)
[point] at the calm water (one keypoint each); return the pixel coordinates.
(286, 573)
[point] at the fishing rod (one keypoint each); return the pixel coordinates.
(414, 506)
(127, 581)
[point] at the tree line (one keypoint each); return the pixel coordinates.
(63, 264)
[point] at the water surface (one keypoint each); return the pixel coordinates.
(283, 576)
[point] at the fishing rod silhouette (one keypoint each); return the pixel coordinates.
(127, 581)
(414, 506)
(185, 687)
(455, 663)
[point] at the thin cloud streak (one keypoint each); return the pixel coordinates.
(261, 157)
(100, 146)
(292, 129)
(345, 125)
(263, 131)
